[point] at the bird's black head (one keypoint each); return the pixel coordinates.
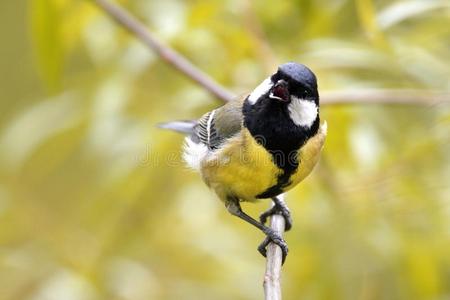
(295, 80)
(291, 90)
(282, 113)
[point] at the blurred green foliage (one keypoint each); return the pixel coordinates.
(96, 204)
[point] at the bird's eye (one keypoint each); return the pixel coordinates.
(306, 93)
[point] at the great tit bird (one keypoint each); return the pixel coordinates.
(259, 146)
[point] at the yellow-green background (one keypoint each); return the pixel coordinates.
(96, 204)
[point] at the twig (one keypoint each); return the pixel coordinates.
(272, 276)
(169, 55)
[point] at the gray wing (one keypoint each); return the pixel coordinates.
(216, 126)
(205, 131)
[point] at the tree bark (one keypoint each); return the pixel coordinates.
(272, 276)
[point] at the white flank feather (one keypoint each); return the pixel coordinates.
(302, 112)
(194, 153)
(260, 90)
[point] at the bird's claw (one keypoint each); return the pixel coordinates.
(274, 237)
(281, 210)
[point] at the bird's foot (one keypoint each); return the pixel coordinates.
(281, 209)
(274, 237)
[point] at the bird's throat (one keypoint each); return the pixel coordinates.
(280, 136)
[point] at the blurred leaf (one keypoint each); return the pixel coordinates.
(46, 33)
(400, 11)
(44, 119)
(55, 29)
(367, 16)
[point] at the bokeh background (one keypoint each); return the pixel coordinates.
(95, 202)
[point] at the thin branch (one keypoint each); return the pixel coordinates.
(272, 276)
(166, 53)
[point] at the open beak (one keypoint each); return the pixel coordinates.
(280, 91)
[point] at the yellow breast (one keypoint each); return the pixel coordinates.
(245, 169)
(308, 156)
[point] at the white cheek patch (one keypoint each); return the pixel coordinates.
(260, 90)
(302, 112)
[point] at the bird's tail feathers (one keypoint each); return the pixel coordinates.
(186, 126)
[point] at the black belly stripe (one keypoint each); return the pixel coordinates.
(286, 160)
(283, 180)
